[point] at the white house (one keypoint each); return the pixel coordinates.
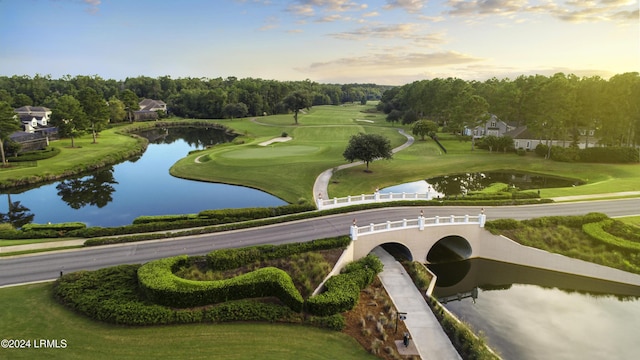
(525, 139)
(33, 117)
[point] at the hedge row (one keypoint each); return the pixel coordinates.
(244, 214)
(569, 221)
(112, 295)
(608, 155)
(47, 153)
(343, 290)
(225, 259)
(597, 232)
(161, 286)
(65, 227)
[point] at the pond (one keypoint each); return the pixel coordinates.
(459, 184)
(527, 313)
(116, 195)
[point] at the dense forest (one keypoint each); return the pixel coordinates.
(555, 107)
(558, 106)
(185, 97)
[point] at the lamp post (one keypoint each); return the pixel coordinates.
(402, 316)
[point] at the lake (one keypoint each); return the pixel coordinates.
(527, 313)
(116, 195)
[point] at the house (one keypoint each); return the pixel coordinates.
(149, 109)
(525, 139)
(493, 126)
(33, 117)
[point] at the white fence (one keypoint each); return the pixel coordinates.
(371, 198)
(419, 223)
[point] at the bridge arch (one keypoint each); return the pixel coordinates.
(449, 248)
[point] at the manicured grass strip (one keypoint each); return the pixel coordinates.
(29, 312)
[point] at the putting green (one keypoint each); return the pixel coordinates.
(270, 151)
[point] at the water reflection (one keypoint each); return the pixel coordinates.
(461, 184)
(96, 189)
(528, 313)
(140, 186)
(17, 215)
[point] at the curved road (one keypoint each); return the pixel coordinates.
(47, 266)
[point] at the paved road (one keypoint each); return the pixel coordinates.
(46, 266)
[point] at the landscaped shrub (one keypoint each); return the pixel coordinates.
(570, 221)
(160, 285)
(63, 227)
(35, 155)
(228, 215)
(502, 224)
(163, 218)
(541, 150)
(597, 232)
(225, 259)
(610, 155)
(343, 290)
(620, 229)
(248, 310)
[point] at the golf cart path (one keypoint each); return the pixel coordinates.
(322, 181)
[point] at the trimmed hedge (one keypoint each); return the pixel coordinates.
(161, 286)
(343, 290)
(47, 153)
(112, 295)
(232, 215)
(225, 259)
(64, 227)
(569, 221)
(597, 232)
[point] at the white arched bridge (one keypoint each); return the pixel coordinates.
(467, 237)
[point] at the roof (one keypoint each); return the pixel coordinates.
(521, 132)
(147, 104)
(32, 109)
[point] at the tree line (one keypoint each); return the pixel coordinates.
(558, 107)
(185, 97)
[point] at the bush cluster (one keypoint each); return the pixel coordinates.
(47, 153)
(569, 221)
(343, 290)
(609, 154)
(597, 231)
(160, 285)
(225, 259)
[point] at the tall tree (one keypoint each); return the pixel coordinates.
(367, 148)
(131, 102)
(296, 101)
(9, 124)
(69, 118)
(95, 108)
(117, 112)
(423, 128)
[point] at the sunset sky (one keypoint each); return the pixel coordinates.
(390, 42)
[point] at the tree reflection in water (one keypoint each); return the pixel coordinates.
(95, 189)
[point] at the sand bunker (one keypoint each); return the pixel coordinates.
(278, 139)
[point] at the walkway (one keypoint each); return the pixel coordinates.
(426, 333)
(322, 181)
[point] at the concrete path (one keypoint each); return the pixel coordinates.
(595, 196)
(426, 333)
(322, 181)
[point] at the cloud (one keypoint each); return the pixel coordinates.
(401, 31)
(411, 6)
(574, 11)
(309, 7)
(271, 22)
(93, 6)
(391, 62)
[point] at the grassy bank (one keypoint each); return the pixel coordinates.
(111, 148)
(288, 170)
(29, 312)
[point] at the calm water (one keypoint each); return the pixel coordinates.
(143, 186)
(524, 314)
(458, 184)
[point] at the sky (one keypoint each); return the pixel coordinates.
(386, 42)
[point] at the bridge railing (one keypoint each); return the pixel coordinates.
(420, 223)
(375, 197)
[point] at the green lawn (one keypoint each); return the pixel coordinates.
(110, 148)
(288, 170)
(29, 312)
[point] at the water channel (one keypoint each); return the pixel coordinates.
(527, 313)
(117, 195)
